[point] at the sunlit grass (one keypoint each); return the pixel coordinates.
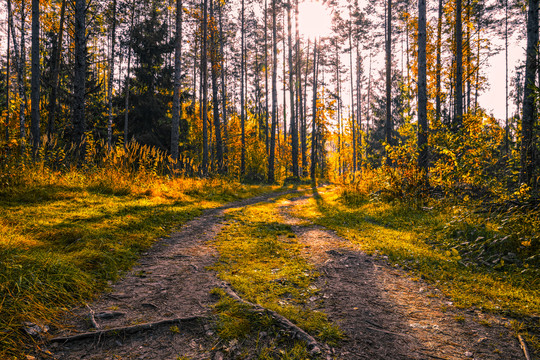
(261, 258)
(65, 235)
(411, 238)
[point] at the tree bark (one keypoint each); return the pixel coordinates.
(438, 67)
(529, 108)
(271, 157)
(314, 120)
(204, 87)
(223, 88)
(353, 125)
(8, 49)
(177, 105)
(458, 105)
(242, 100)
(56, 55)
(126, 100)
(294, 130)
(79, 86)
(422, 91)
(389, 126)
(111, 77)
(215, 65)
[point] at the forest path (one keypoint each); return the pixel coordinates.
(383, 313)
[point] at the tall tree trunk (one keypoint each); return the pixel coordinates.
(223, 89)
(267, 139)
(294, 130)
(242, 100)
(56, 55)
(204, 87)
(358, 108)
(20, 61)
(352, 97)
(303, 130)
(314, 120)
(422, 91)
(79, 86)
(389, 126)
(111, 77)
(438, 67)
(271, 157)
(8, 49)
(36, 75)
(338, 93)
(126, 99)
(506, 128)
(529, 108)
(177, 105)
(215, 65)
(458, 106)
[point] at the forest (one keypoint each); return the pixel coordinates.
(126, 122)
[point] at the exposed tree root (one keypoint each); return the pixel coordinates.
(313, 346)
(127, 329)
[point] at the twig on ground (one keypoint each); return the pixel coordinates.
(126, 329)
(523, 345)
(313, 346)
(92, 318)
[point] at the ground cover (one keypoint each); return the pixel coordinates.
(64, 237)
(421, 239)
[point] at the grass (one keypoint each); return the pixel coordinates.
(65, 236)
(422, 240)
(261, 258)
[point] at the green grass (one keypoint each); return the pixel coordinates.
(65, 236)
(261, 258)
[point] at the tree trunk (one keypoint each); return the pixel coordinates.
(36, 75)
(303, 130)
(438, 67)
(314, 120)
(8, 49)
(458, 106)
(422, 91)
(177, 105)
(267, 139)
(21, 73)
(215, 64)
(389, 123)
(126, 100)
(56, 55)
(204, 87)
(79, 86)
(111, 77)
(223, 88)
(271, 157)
(294, 130)
(242, 100)
(529, 108)
(353, 126)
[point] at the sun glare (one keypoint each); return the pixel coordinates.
(314, 18)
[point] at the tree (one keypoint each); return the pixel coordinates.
(389, 123)
(111, 76)
(242, 92)
(214, 61)
(422, 90)
(204, 86)
(314, 120)
(458, 101)
(271, 156)
(79, 79)
(529, 108)
(294, 130)
(35, 117)
(177, 106)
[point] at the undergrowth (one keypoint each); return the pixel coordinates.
(67, 231)
(261, 258)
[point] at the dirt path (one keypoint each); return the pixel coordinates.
(384, 314)
(387, 315)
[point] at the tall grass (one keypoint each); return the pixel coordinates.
(69, 227)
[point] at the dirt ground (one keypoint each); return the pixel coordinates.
(384, 313)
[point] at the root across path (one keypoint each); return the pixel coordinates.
(162, 309)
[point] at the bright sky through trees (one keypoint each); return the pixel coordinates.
(315, 19)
